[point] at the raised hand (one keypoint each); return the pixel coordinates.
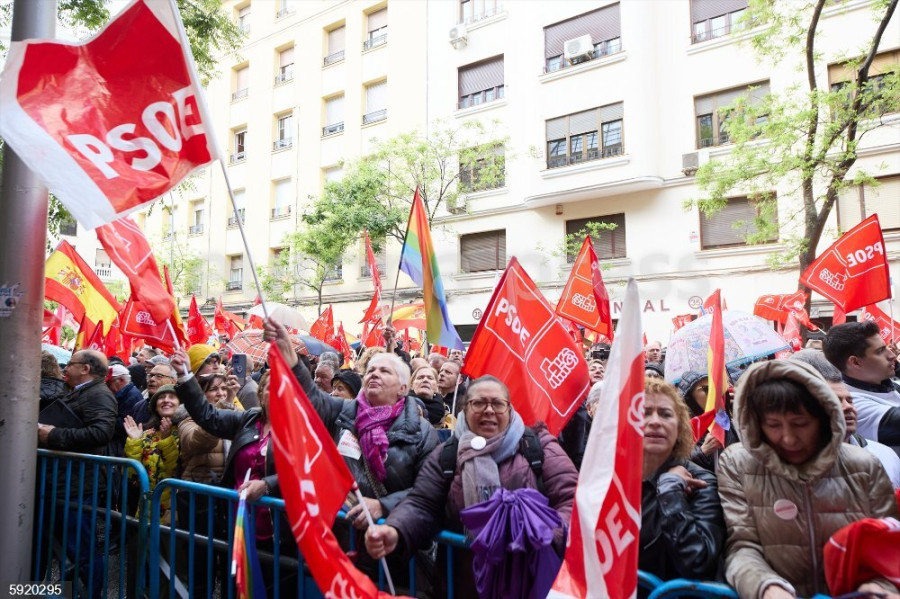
(277, 334)
(381, 540)
(180, 362)
(165, 427)
(133, 429)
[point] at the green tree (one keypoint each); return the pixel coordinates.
(804, 139)
(184, 264)
(377, 190)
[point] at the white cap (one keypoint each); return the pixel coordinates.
(118, 370)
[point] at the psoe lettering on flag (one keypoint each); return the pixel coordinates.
(604, 539)
(521, 342)
(887, 328)
(108, 125)
(853, 272)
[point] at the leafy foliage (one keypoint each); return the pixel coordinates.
(802, 141)
(184, 264)
(376, 191)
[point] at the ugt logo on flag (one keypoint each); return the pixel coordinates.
(112, 123)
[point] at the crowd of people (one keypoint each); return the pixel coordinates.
(813, 445)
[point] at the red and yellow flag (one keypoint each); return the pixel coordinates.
(69, 281)
(715, 361)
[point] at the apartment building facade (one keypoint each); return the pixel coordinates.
(609, 108)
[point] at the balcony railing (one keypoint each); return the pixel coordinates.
(281, 144)
(196, 230)
(281, 212)
(232, 221)
(374, 117)
(374, 42)
(332, 129)
(284, 77)
(334, 57)
(104, 272)
(238, 157)
(234, 285)
(240, 94)
(607, 48)
(591, 154)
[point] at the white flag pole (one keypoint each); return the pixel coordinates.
(362, 502)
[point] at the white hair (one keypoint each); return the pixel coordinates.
(594, 394)
(399, 367)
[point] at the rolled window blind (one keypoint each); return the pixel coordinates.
(334, 110)
(336, 40)
(479, 77)
(707, 9)
(483, 251)
(601, 24)
(378, 19)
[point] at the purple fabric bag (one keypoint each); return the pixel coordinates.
(513, 547)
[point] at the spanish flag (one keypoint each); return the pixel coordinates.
(72, 283)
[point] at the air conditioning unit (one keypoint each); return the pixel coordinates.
(691, 161)
(578, 49)
(459, 36)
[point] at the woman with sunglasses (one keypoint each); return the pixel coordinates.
(489, 456)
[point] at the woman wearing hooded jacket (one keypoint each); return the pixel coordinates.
(489, 456)
(791, 483)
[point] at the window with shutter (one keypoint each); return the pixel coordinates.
(712, 112)
(602, 25)
(101, 259)
(377, 29)
(376, 102)
(241, 83)
(714, 18)
(285, 65)
(243, 18)
(483, 251)
(731, 225)
(235, 272)
(481, 82)
(858, 202)
(283, 200)
(608, 245)
(239, 195)
(333, 173)
(240, 147)
(334, 115)
(574, 138)
(284, 131)
(335, 45)
(471, 11)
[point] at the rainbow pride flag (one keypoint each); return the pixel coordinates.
(419, 261)
(245, 568)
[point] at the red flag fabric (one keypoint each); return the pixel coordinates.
(314, 480)
(777, 308)
(198, 330)
(700, 424)
(838, 316)
(128, 249)
(373, 334)
(862, 551)
(791, 333)
(602, 553)
(137, 322)
(323, 328)
(51, 319)
(343, 346)
(372, 312)
(106, 124)
(440, 349)
(521, 342)
(886, 327)
(715, 361)
(584, 299)
(853, 272)
(227, 323)
(94, 339)
(117, 344)
(175, 319)
(681, 320)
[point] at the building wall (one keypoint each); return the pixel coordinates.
(656, 76)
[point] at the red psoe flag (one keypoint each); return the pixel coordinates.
(198, 330)
(853, 272)
(520, 341)
(777, 307)
(127, 247)
(137, 322)
(373, 334)
(314, 480)
(791, 332)
(323, 328)
(887, 328)
(106, 124)
(227, 323)
(602, 553)
(584, 299)
(372, 312)
(343, 346)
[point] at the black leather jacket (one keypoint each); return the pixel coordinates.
(682, 536)
(411, 439)
(239, 427)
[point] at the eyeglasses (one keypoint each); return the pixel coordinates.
(480, 405)
(156, 375)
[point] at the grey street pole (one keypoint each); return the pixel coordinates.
(23, 235)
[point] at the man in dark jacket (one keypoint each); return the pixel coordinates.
(128, 398)
(95, 407)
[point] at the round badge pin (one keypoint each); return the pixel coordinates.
(786, 509)
(478, 443)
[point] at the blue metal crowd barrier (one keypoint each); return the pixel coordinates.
(187, 551)
(79, 522)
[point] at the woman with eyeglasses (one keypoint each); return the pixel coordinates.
(694, 387)
(490, 441)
